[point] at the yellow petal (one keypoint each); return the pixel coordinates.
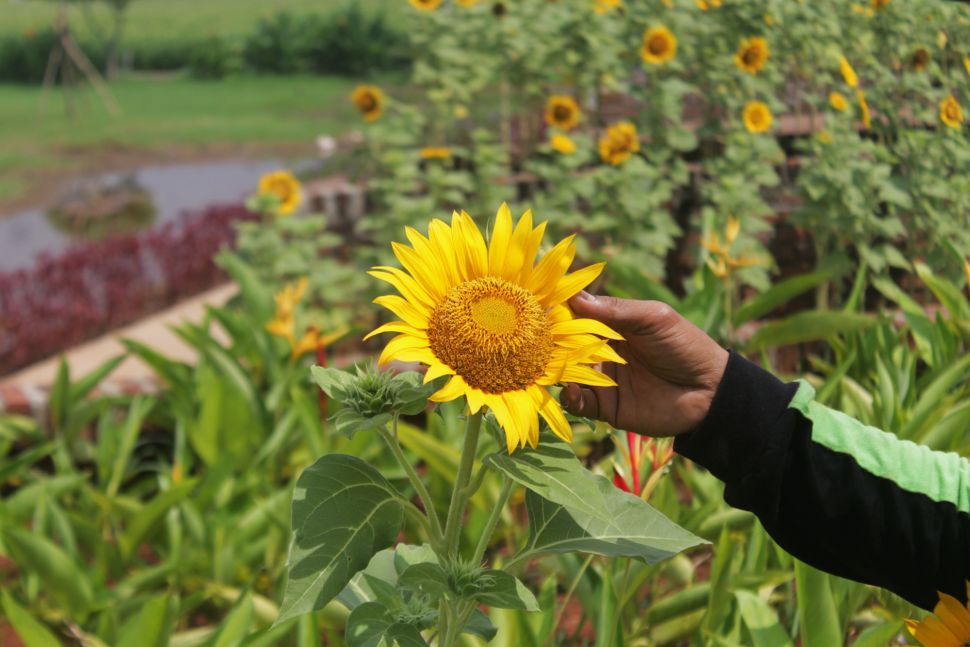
(552, 413)
(588, 354)
(954, 615)
(498, 244)
(417, 354)
(521, 408)
(441, 241)
(414, 315)
(476, 399)
(732, 231)
(585, 326)
(400, 343)
(426, 272)
(393, 326)
(497, 404)
(476, 252)
(529, 254)
(553, 266)
(570, 285)
(607, 353)
(436, 370)
(454, 389)
(405, 284)
(586, 375)
(308, 343)
(932, 633)
(515, 254)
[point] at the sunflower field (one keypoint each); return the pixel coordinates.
(369, 449)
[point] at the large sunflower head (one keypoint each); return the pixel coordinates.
(494, 320)
(425, 5)
(562, 111)
(618, 143)
(752, 54)
(949, 626)
(369, 100)
(285, 188)
(950, 112)
(848, 74)
(659, 45)
(756, 117)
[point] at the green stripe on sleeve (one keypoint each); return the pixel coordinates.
(915, 468)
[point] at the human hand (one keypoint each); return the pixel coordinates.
(672, 372)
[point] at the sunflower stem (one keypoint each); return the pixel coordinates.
(437, 538)
(497, 509)
(458, 497)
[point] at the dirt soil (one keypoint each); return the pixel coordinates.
(79, 162)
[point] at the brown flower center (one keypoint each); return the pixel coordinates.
(657, 44)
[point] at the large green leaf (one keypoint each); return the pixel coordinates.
(572, 509)
(61, 577)
(344, 511)
(806, 326)
(31, 632)
(372, 625)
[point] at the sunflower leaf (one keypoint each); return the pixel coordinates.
(572, 509)
(344, 511)
(372, 625)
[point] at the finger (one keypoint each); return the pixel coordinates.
(579, 401)
(625, 315)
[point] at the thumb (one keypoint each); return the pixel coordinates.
(624, 315)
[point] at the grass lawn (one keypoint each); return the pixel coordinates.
(164, 113)
(154, 20)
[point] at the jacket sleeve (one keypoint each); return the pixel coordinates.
(841, 496)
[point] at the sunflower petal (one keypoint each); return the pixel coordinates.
(933, 632)
(498, 244)
(586, 375)
(405, 284)
(426, 271)
(476, 251)
(442, 242)
(530, 252)
(588, 326)
(394, 326)
(515, 254)
(954, 615)
(436, 370)
(570, 285)
(476, 399)
(398, 344)
(414, 315)
(553, 266)
(497, 404)
(552, 413)
(520, 408)
(454, 389)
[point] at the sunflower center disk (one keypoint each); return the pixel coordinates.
(493, 333)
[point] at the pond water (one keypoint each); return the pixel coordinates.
(173, 189)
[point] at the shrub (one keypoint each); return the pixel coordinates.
(24, 57)
(275, 46)
(350, 42)
(213, 58)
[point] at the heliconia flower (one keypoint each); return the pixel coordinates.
(949, 626)
(285, 188)
(312, 341)
(494, 320)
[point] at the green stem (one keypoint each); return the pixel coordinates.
(497, 510)
(458, 495)
(435, 529)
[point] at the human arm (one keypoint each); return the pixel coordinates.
(843, 497)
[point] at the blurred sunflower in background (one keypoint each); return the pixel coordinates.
(619, 143)
(369, 100)
(752, 54)
(838, 101)
(495, 321)
(562, 144)
(950, 112)
(425, 5)
(848, 74)
(659, 45)
(864, 113)
(756, 117)
(283, 188)
(920, 59)
(563, 112)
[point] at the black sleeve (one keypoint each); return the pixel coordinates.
(845, 500)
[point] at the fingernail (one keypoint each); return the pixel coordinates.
(585, 297)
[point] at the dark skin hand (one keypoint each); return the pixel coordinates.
(673, 369)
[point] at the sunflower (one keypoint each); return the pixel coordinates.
(435, 152)
(369, 100)
(425, 5)
(879, 4)
(605, 6)
(920, 59)
(950, 112)
(848, 73)
(467, 4)
(864, 109)
(284, 188)
(837, 101)
(619, 143)
(659, 45)
(752, 54)
(966, 64)
(756, 116)
(494, 320)
(563, 144)
(562, 111)
(949, 626)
